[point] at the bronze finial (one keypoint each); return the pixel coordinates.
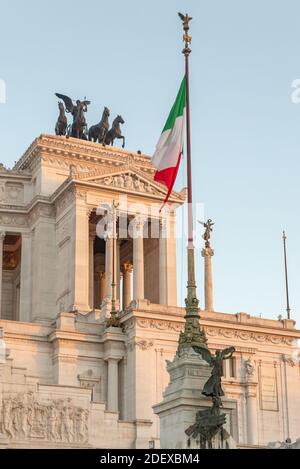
(186, 37)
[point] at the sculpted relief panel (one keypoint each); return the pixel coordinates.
(11, 193)
(57, 420)
(128, 181)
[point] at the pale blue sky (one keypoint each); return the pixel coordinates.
(245, 129)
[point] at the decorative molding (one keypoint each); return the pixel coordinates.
(250, 336)
(242, 335)
(158, 324)
(141, 344)
(47, 145)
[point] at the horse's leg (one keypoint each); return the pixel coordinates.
(104, 138)
(123, 138)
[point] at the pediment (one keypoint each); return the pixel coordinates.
(127, 178)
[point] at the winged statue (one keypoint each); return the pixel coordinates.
(78, 128)
(213, 387)
(208, 230)
(185, 19)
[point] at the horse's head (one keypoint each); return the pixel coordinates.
(120, 120)
(106, 111)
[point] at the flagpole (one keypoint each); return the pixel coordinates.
(192, 335)
(113, 320)
(288, 309)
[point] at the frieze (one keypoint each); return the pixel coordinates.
(161, 325)
(24, 417)
(13, 220)
(248, 336)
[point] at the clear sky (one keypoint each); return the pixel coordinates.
(245, 129)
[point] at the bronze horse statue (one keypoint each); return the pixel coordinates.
(115, 132)
(97, 133)
(62, 123)
(78, 128)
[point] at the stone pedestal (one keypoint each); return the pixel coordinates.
(183, 398)
(114, 351)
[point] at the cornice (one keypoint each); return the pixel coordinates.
(81, 150)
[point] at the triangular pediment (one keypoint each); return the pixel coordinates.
(127, 178)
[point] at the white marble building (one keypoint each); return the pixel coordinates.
(65, 379)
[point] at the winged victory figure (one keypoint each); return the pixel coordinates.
(78, 127)
(208, 229)
(213, 387)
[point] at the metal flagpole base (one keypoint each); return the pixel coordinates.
(192, 335)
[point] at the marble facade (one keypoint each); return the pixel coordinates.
(59, 363)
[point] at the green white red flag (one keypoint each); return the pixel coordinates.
(167, 155)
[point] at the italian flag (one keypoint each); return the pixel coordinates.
(167, 155)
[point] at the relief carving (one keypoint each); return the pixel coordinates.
(128, 181)
(13, 220)
(2, 192)
(250, 370)
(217, 332)
(59, 420)
(11, 193)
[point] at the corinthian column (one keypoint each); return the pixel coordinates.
(80, 255)
(91, 270)
(108, 265)
(138, 259)
(163, 296)
(2, 236)
(102, 287)
(26, 278)
(126, 271)
(207, 253)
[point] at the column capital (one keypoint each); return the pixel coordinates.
(127, 268)
(2, 235)
(26, 234)
(138, 224)
(111, 359)
(207, 252)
